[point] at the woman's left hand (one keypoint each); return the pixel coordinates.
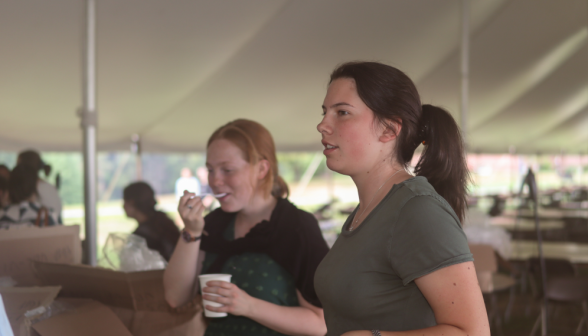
(235, 300)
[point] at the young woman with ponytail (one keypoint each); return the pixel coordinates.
(401, 265)
(270, 247)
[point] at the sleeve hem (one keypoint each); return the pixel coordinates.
(449, 262)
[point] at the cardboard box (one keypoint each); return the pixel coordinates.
(137, 298)
(20, 246)
(140, 291)
(88, 318)
(142, 323)
(19, 300)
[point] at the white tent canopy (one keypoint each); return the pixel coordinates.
(173, 71)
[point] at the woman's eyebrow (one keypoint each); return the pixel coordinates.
(338, 104)
(210, 165)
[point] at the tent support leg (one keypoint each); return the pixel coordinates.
(465, 67)
(89, 124)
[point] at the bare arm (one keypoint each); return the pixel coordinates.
(181, 272)
(455, 297)
(180, 275)
(305, 319)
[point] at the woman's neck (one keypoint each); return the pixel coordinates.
(373, 186)
(259, 208)
(378, 180)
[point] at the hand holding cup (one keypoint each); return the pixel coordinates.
(210, 297)
(220, 296)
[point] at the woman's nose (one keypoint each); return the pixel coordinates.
(322, 127)
(214, 179)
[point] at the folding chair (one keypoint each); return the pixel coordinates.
(572, 290)
(491, 281)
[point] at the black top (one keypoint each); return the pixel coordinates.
(291, 237)
(160, 232)
(259, 276)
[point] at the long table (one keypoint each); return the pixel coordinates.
(524, 224)
(574, 252)
(548, 213)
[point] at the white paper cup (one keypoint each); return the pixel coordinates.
(203, 280)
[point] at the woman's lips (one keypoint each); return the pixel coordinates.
(329, 148)
(223, 197)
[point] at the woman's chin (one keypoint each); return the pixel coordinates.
(229, 207)
(337, 168)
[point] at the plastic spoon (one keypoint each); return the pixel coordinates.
(206, 194)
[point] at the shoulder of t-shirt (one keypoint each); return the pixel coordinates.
(421, 192)
(419, 186)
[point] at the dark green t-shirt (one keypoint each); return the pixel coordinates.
(366, 281)
(261, 277)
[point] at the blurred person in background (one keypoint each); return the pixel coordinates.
(155, 226)
(24, 207)
(187, 182)
(4, 201)
(202, 175)
(270, 247)
(4, 171)
(47, 193)
(4, 176)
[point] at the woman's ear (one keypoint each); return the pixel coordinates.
(390, 131)
(262, 169)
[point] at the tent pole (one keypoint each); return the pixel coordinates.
(511, 172)
(89, 124)
(465, 68)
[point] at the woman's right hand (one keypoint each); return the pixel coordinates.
(190, 210)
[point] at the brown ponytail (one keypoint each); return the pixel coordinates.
(443, 160)
(392, 95)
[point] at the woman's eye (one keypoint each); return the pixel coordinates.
(343, 112)
(323, 114)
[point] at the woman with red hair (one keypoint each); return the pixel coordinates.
(270, 247)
